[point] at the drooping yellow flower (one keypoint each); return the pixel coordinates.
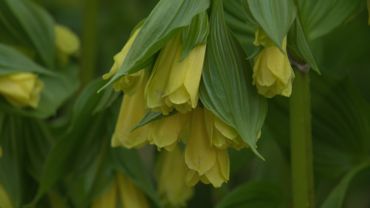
(200, 155)
(130, 195)
(272, 73)
(172, 186)
(119, 58)
(174, 83)
(67, 43)
(21, 89)
(166, 132)
(206, 162)
(222, 135)
(131, 112)
(4, 198)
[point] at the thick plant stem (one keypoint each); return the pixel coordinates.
(301, 142)
(89, 40)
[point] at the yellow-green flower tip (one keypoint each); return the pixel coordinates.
(172, 186)
(130, 195)
(21, 89)
(174, 83)
(120, 57)
(4, 198)
(66, 41)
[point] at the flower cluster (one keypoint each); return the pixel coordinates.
(172, 89)
(195, 141)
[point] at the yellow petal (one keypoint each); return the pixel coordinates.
(120, 57)
(220, 172)
(21, 89)
(66, 41)
(166, 131)
(192, 178)
(171, 182)
(130, 195)
(4, 198)
(156, 86)
(272, 73)
(108, 199)
(131, 112)
(199, 153)
(185, 77)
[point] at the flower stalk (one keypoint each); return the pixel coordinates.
(301, 142)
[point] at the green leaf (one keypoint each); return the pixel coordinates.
(254, 194)
(12, 61)
(196, 34)
(166, 18)
(11, 165)
(337, 195)
(226, 87)
(83, 126)
(299, 46)
(274, 17)
(242, 25)
(148, 117)
(29, 23)
(320, 17)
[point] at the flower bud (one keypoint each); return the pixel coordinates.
(130, 195)
(21, 89)
(272, 73)
(67, 43)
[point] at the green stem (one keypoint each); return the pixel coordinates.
(301, 142)
(89, 40)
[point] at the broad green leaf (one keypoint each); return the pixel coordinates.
(12, 61)
(195, 34)
(337, 195)
(11, 161)
(166, 18)
(254, 194)
(320, 17)
(29, 23)
(274, 17)
(300, 48)
(242, 25)
(83, 125)
(226, 87)
(129, 162)
(148, 117)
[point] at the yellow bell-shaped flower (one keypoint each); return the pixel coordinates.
(166, 132)
(21, 89)
(272, 73)
(172, 186)
(131, 112)
(174, 82)
(130, 195)
(222, 135)
(67, 43)
(4, 198)
(205, 161)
